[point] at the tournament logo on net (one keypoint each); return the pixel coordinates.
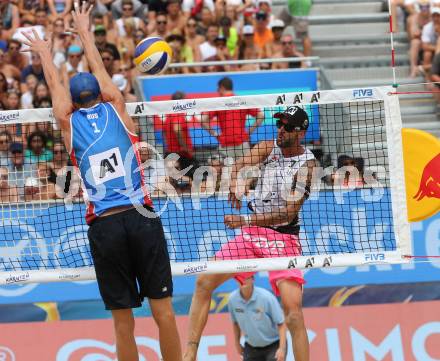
(9, 116)
(195, 269)
(179, 107)
(362, 93)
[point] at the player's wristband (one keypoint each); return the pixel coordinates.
(247, 219)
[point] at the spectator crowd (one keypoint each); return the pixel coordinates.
(197, 30)
(421, 21)
(33, 154)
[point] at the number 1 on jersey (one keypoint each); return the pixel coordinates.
(95, 128)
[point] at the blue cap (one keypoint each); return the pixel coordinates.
(84, 82)
(74, 49)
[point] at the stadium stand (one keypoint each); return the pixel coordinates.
(362, 56)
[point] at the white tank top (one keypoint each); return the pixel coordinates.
(120, 25)
(275, 184)
(78, 69)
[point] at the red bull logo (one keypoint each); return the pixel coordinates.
(430, 181)
(421, 155)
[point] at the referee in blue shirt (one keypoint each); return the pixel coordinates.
(256, 314)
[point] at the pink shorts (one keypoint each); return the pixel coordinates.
(261, 242)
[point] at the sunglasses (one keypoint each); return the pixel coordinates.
(107, 59)
(57, 152)
(75, 55)
(161, 22)
(287, 127)
(261, 17)
(287, 42)
(14, 47)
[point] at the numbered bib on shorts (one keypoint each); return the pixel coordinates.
(107, 165)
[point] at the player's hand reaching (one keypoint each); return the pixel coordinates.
(81, 16)
(234, 221)
(36, 44)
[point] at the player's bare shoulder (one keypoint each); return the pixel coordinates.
(264, 148)
(62, 111)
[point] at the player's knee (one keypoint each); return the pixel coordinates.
(164, 317)
(294, 318)
(124, 327)
(205, 284)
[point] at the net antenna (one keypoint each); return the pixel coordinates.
(341, 224)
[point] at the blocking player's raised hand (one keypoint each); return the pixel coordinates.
(234, 221)
(81, 16)
(35, 43)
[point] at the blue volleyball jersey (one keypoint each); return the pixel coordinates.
(109, 164)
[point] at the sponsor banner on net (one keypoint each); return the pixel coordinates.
(335, 333)
(9, 116)
(70, 242)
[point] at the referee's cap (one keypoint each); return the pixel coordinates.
(295, 116)
(84, 87)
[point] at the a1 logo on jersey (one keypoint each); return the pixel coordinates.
(107, 165)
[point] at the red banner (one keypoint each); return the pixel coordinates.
(393, 332)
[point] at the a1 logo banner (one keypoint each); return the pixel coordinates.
(421, 155)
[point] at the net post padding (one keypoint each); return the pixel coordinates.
(393, 125)
(352, 99)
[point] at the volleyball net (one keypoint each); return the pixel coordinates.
(355, 214)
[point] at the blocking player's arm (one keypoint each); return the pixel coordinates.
(61, 101)
(254, 157)
(299, 193)
(109, 91)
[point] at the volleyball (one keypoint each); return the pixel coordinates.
(152, 55)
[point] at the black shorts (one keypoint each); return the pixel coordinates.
(131, 259)
(266, 353)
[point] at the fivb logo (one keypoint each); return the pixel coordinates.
(362, 93)
(374, 257)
